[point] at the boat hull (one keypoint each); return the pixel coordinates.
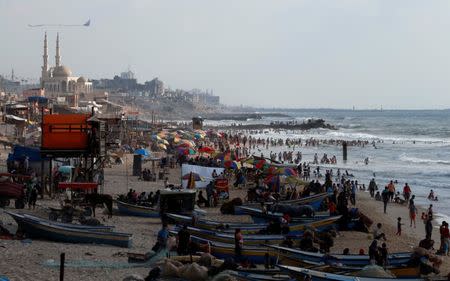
(291, 256)
(248, 229)
(44, 230)
(302, 273)
(314, 201)
(258, 216)
(137, 211)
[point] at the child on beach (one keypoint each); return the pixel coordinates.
(399, 226)
(378, 234)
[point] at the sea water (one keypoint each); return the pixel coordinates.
(410, 146)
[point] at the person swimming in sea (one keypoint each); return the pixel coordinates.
(431, 196)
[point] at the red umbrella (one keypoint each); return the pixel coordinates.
(207, 149)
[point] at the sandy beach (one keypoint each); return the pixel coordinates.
(23, 260)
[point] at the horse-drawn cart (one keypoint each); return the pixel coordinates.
(75, 206)
(68, 213)
(12, 191)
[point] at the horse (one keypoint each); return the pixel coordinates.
(94, 199)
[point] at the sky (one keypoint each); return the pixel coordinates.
(270, 53)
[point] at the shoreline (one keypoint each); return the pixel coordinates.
(24, 261)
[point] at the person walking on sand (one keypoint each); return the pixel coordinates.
(399, 226)
(385, 197)
(412, 212)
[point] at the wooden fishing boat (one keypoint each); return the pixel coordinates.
(180, 201)
(47, 230)
(244, 276)
(295, 257)
(314, 275)
(251, 239)
(254, 254)
(101, 228)
(260, 216)
(314, 201)
(229, 227)
(136, 210)
(399, 271)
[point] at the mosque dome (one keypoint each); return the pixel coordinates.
(62, 71)
(81, 80)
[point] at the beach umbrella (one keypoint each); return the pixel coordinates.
(156, 137)
(287, 171)
(142, 151)
(207, 149)
(187, 143)
(194, 176)
(232, 165)
(165, 142)
(273, 181)
(162, 146)
(191, 181)
(186, 151)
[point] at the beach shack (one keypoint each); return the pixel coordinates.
(197, 123)
(178, 201)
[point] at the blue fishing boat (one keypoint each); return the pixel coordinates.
(180, 201)
(294, 257)
(250, 239)
(314, 201)
(101, 228)
(47, 230)
(254, 254)
(246, 228)
(314, 275)
(260, 216)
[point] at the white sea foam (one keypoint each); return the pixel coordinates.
(418, 160)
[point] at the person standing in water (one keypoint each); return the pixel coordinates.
(406, 192)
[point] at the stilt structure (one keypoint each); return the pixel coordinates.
(80, 137)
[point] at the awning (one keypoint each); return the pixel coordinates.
(78, 185)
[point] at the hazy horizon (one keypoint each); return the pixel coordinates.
(260, 53)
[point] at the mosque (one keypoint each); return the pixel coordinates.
(58, 81)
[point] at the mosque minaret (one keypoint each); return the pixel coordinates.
(58, 80)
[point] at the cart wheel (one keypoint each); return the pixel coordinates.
(66, 218)
(19, 204)
(4, 203)
(53, 216)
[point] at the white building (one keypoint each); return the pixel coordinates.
(58, 81)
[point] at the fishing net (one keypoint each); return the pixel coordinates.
(105, 264)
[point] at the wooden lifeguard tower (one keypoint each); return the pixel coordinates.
(80, 136)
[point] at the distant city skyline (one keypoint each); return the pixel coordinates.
(262, 53)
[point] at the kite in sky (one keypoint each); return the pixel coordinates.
(86, 24)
